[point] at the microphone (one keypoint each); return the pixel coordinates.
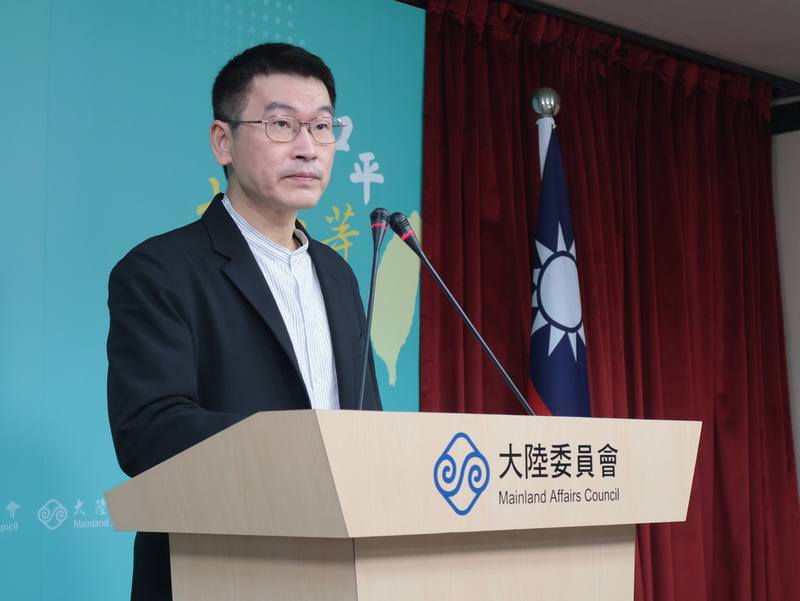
(379, 224)
(379, 220)
(403, 228)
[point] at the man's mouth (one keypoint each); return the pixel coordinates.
(303, 176)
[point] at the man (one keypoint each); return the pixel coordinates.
(240, 311)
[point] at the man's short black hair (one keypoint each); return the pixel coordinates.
(232, 85)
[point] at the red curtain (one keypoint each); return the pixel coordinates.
(669, 169)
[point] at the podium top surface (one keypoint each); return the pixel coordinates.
(348, 474)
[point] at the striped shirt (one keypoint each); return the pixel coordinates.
(293, 282)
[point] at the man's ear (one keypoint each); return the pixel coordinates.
(221, 136)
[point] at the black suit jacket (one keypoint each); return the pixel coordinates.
(196, 343)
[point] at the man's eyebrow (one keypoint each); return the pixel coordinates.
(278, 106)
(282, 106)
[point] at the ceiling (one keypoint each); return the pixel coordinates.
(761, 35)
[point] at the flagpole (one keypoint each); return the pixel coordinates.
(546, 102)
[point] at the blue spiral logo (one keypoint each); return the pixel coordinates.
(52, 514)
(460, 462)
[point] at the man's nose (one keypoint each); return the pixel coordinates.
(304, 145)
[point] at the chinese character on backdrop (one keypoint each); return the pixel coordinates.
(366, 173)
(340, 241)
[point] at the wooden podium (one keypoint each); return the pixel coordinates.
(371, 506)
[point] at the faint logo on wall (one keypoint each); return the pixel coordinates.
(99, 519)
(79, 508)
(12, 526)
(461, 460)
(52, 514)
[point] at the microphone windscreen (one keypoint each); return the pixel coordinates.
(403, 229)
(400, 224)
(379, 215)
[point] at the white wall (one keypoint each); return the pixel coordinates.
(786, 181)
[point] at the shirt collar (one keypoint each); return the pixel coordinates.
(258, 241)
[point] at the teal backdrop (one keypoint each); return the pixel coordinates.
(104, 117)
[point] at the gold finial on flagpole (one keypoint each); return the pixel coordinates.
(546, 102)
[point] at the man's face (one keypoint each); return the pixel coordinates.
(281, 177)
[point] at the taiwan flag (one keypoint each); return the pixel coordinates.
(559, 372)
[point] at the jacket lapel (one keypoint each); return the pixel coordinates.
(244, 273)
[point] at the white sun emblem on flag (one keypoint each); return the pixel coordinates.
(556, 295)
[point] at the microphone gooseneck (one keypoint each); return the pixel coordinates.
(403, 229)
(378, 219)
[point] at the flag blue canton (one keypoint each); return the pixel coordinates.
(558, 366)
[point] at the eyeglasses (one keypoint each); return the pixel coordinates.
(284, 128)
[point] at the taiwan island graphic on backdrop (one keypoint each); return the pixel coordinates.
(396, 298)
(397, 284)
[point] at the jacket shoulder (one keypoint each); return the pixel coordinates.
(168, 249)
